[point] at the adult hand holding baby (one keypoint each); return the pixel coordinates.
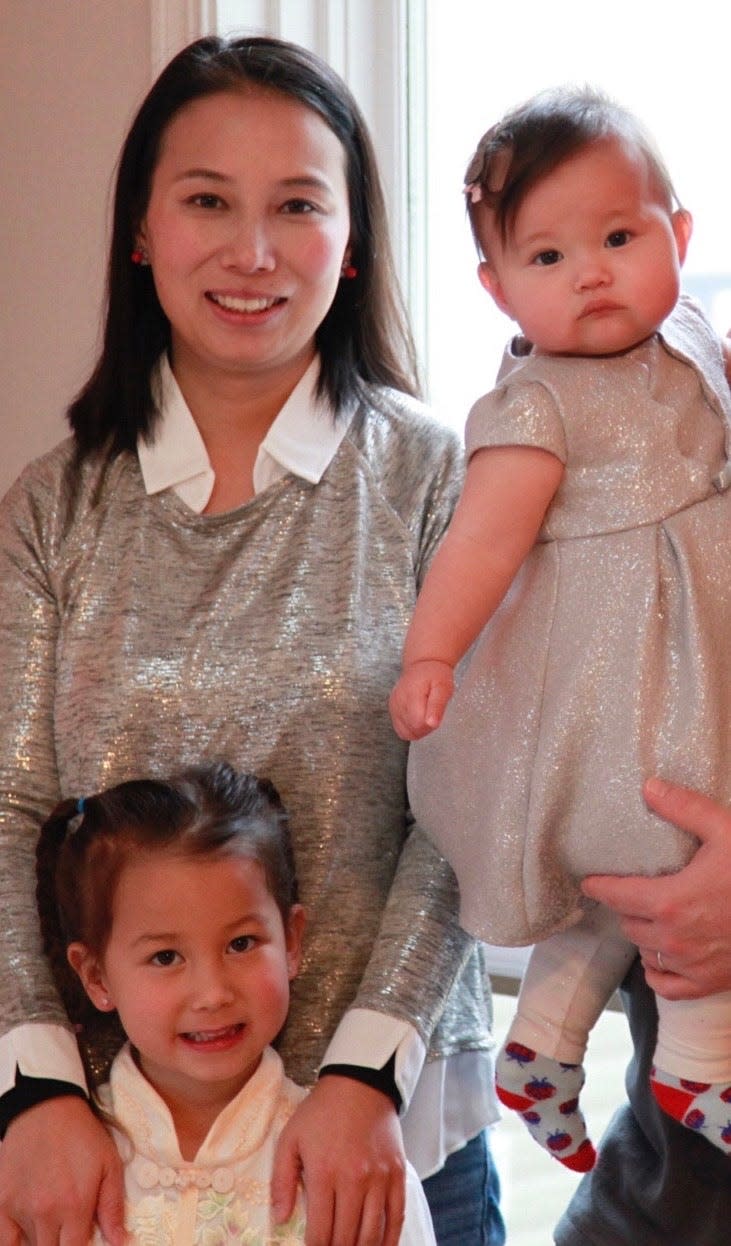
(684, 916)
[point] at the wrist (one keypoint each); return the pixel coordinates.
(29, 1092)
(383, 1079)
(442, 664)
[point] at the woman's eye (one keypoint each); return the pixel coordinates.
(298, 207)
(545, 258)
(618, 238)
(207, 200)
(242, 943)
(167, 956)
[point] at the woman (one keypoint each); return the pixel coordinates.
(222, 563)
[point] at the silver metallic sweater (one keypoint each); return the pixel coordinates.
(136, 637)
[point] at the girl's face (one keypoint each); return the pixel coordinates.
(592, 264)
(246, 231)
(200, 987)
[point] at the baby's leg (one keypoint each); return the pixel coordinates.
(567, 983)
(691, 1078)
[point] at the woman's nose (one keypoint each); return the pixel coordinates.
(249, 247)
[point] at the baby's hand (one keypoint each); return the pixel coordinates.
(420, 697)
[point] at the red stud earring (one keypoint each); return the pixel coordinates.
(139, 256)
(349, 271)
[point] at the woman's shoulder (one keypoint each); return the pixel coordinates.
(32, 502)
(404, 412)
(399, 428)
(56, 489)
(41, 472)
(413, 463)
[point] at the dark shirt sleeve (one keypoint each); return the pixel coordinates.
(29, 1091)
(379, 1079)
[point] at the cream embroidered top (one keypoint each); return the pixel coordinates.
(222, 1196)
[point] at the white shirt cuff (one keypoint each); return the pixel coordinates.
(40, 1050)
(368, 1038)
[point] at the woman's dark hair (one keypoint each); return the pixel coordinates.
(536, 137)
(365, 335)
(206, 811)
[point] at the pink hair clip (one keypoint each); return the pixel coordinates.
(473, 190)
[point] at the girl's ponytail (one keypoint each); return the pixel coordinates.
(97, 1033)
(51, 840)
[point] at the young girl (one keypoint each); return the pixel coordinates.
(595, 516)
(175, 903)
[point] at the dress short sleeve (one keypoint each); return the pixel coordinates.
(517, 414)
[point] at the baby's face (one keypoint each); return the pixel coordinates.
(592, 264)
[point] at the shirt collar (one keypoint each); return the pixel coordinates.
(303, 440)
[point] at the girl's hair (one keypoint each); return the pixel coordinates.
(204, 811)
(365, 335)
(536, 137)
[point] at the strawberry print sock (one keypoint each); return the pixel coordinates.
(546, 1094)
(703, 1107)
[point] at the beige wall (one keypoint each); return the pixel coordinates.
(73, 71)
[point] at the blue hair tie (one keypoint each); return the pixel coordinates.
(80, 804)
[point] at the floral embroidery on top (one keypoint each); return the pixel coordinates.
(153, 1223)
(290, 1234)
(224, 1221)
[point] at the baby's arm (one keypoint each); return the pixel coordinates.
(506, 493)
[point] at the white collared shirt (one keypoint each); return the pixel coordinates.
(303, 440)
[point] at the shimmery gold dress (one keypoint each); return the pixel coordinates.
(610, 658)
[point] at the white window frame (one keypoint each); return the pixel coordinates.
(173, 23)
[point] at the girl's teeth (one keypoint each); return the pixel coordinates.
(204, 1036)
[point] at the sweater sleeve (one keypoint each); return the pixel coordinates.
(421, 951)
(28, 777)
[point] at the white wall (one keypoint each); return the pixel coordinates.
(73, 72)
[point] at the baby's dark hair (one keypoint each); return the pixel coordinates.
(203, 811)
(536, 137)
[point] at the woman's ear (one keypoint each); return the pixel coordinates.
(89, 969)
(489, 281)
(293, 932)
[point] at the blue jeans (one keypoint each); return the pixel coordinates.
(464, 1198)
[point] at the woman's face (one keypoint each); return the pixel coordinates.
(246, 230)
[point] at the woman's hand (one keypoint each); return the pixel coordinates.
(685, 916)
(420, 697)
(344, 1143)
(59, 1172)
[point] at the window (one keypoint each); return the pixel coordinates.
(366, 42)
(432, 76)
